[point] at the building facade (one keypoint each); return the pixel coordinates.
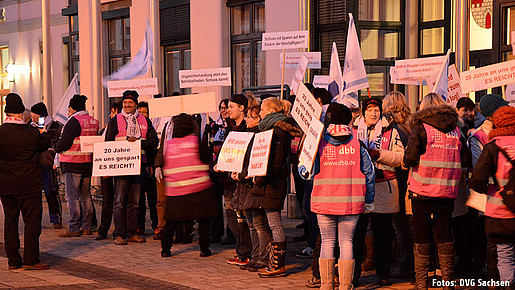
(95, 38)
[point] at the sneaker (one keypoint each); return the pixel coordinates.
(37, 266)
(306, 253)
(136, 239)
(314, 282)
(86, 232)
(158, 235)
(140, 232)
(238, 261)
(68, 234)
(14, 267)
(384, 282)
(205, 254)
(166, 254)
(57, 226)
(249, 264)
(120, 241)
(100, 237)
(255, 267)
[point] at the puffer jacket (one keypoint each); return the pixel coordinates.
(269, 191)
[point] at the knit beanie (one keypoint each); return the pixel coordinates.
(39, 109)
(338, 114)
(78, 102)
(240, 100)
(490, 103)
(132, 95)
(13, 104)
(371, 101)
(504, 122)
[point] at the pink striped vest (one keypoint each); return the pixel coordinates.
(88, 127)
(122, 131)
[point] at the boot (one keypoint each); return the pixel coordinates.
(345, 273)
(275, 266)
(446, 259)
(368, 263)
(326, 267)
(422, 255)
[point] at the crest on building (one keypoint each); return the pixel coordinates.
(482, 11)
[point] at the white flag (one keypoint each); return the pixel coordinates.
(61, 115)
(139, 65)
(335, 75)
(354, 73)
(442, 80)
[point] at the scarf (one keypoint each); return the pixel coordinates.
(371, 137)
(339, 130)
(133, 129)
(13, 120)
(78, 113)
(269, 121)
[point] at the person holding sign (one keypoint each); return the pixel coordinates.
(343, 188)
(77, 166)
(436, 152)
(189, 189)
(270, 190)
(131, 126)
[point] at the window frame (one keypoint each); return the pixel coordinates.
(442, 23)
(181, 48)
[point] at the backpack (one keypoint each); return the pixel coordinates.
(508, 191)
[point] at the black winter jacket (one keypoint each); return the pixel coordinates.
(20, 171)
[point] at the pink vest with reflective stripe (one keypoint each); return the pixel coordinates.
(88, 127)
(385, 144)
(439, 170)
(480, 135)
(495, 207)
(183, 171)
(122, 131)
(340, 186)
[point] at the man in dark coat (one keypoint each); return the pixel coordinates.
(21, 179)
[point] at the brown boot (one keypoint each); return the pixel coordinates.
(368, 263)
(345, 273)
(446, 259)
(422, 257)
(276, 264)
(326, 267)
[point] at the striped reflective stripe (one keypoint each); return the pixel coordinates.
(185, 169)
(338, 199)
(339, 181)
(188, 182)
(76, 141)
(503, 182)
(495, 200)
(76, 153)
(434, 181)
(440, 164)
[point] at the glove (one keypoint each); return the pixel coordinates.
(158, 174)
(369, 207)
(303, 171)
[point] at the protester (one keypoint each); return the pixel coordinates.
(436, 153)
(338, 205)
(21, 179)
(46, 159)
(465, 109)
(189, 189)
(494, 163)
(77, 166)
(269, 191)
(131, 126)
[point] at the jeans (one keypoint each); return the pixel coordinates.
(107, 205)
(311, 217)
(126, 202)
(506, 262)
(341, 225)
(260, 240)
(275, 224)
(148, 186)
(78, 196)
(241, 233)
(404, 239)
(52, 194)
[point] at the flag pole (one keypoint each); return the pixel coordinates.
(282, 74)
(368, 91)
(441, 72)
(420, 90)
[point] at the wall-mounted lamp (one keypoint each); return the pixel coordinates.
(16, 69)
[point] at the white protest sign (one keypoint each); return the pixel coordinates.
(321, 81)
(453, 87)
(419, 67)
(259, 155)
(292, 59)
(310, 147)
(486, 77)
(510, 94)
(299, 74)
(189, 104)
(205, 77)
(285, 40)
(305, 108)
(395, 79)
(142, 86)
(233, 151)
(117, 158)
(87, 142)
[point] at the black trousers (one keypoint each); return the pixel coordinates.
(150, 188)
(241, 233)
(203, 233)
(30, 206)
(107, 185)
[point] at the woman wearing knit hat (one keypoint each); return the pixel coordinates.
(492, 163)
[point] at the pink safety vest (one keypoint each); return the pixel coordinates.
(340, 186)
(495, 207)
(122, 131)
(88, 127)
(439, 170)
(183, 171)
(480, 135)
(385, 145)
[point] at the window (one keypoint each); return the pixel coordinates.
(119, 42)
(71, 42)
(4, 61)
(177, 58)
(248, 60)
(434, 27)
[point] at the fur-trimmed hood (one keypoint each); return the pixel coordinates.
(289, 126)
(442, 117)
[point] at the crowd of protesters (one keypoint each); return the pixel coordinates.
(386, 185)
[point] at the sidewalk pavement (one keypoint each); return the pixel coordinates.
(83, 263)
